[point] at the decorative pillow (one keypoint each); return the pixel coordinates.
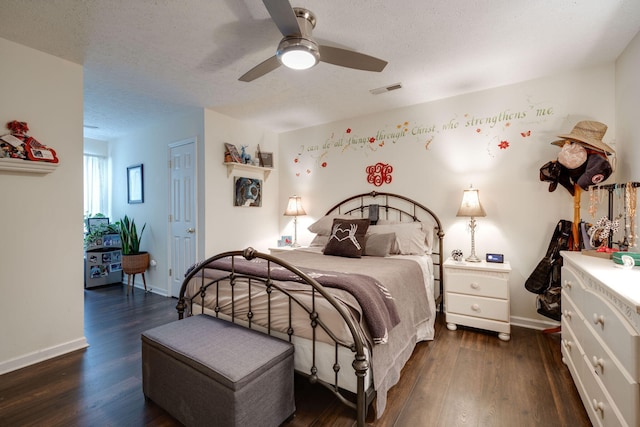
(379, 244)
(410, 239)
(347, 237)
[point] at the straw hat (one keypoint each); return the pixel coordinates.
(589, 133)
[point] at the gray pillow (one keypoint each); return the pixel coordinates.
(379, 244)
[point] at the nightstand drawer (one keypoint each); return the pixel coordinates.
(476, 306)
(484, 284)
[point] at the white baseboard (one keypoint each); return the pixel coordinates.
(42, 355)
(140, 285)
(525, 322)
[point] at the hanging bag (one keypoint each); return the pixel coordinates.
(547, 273)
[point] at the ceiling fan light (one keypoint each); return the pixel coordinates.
(298, 53)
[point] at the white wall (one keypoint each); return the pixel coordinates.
(149, 146)
(229, 227)
(41, 269)
(627, 108)
(439, 148)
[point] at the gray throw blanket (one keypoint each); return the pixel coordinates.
(378, 307)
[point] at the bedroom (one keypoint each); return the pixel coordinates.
(510, 189)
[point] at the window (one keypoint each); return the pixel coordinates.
(96, 185)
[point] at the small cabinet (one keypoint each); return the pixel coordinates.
(103, 262)
(477, 295)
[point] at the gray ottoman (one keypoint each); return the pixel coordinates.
(209, 372)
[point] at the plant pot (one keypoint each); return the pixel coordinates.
(135, 263)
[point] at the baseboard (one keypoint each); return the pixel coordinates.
(526, 322)
(140, 285)
(42, 355)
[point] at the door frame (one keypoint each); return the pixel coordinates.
(191, 140)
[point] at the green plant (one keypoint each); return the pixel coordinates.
(129, 236)
(98, 232)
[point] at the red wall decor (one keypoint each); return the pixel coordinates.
(379, 174)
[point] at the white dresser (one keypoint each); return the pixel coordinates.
(601, 337)
(477, 295)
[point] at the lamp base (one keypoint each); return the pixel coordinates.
(472, 258)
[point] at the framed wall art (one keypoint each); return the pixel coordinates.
(135, 184)
(247, 192)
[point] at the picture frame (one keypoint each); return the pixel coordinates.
(247, 192)
(232, 152)
(266, 159)
(135, 184)
(95, 223)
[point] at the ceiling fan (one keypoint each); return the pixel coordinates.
(298, 50)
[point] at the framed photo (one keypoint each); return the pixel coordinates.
(232, 152)
(266, 159)
(247, 192)
(95, 223)
(135, 184)
(285, 241)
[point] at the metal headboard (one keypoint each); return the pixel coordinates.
(391, 206)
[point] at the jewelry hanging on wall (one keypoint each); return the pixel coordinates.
(594, 202)
(631, 199)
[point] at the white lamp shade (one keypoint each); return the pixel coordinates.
(470, 205)
(294, 207)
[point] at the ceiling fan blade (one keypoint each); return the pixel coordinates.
(350, 59)
(261, 69)
(283, 16)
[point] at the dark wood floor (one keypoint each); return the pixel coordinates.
(462, 378)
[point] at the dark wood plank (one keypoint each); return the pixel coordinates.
(463, 377)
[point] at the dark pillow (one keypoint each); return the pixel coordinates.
(379, 244)
(347, 237)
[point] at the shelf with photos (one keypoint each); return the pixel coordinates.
(234, 161)
(26, 166)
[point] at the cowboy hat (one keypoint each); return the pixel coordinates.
(589, 133)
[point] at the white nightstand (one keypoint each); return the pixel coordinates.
(476, 294)
(281, 249)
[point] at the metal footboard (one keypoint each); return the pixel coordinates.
(212, 286)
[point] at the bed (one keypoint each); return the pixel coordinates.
(354, 318)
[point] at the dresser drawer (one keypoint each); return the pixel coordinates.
(486, 284)
(622, 388)
(571, 285)
(614, 331)
(486, 308)
(572, 317)
(598, 403)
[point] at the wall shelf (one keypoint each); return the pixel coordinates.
(27, 166)
(233, 166)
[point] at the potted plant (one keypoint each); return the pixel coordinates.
(94, 235)
(133, 260)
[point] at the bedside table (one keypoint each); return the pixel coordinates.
(281, 249)
(476, 294)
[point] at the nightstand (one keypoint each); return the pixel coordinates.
(476, 294)
(280, 249)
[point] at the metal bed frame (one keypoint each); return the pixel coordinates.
(394, 207)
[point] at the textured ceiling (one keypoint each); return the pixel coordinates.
(144, 59)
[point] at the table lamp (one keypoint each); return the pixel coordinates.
(294, 208)
(471, 207)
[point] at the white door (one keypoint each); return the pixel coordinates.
(182, 217)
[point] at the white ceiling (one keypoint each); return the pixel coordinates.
(144, 59)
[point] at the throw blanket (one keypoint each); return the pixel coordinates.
(378, 307)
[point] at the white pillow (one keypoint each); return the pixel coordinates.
(409, 240)
(323, 225)
(427, 226)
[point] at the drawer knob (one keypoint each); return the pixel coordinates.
(567, 344)
(568, 314)
(474, 285)
(567, 284)
(597, 362)
(598, 318)
(597, 406)
(475, 307)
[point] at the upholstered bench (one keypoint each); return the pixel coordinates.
(207, 371)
